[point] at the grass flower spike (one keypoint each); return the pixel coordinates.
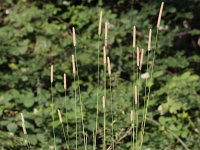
(100, 22)
(134, 36)
(74, 36)
(160, 14)
(149, 41)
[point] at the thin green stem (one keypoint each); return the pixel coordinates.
(75, 111)
(68, 146)
(104, 132)
(136, 130)
(104, 128)
(137, 106)
(133, 133)
(133, 108)
(112, 125)
(145, 105)
(52, 109)
(97, 102)
(64, 134)
(93, 137)
(81, 103)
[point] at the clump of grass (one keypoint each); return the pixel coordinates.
(137, 63)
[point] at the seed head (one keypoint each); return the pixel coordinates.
(103, 102)
(136, 100)
(100, 21)
(51, 73)
(109, 69)
(23, 123)
(149, 42)
(65, 83)
(141, 58)
(106, 34)
(73, 65)
(74, 36)
(160, 14)
(59, 115)
(134, 36)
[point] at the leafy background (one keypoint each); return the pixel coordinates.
(35, 34)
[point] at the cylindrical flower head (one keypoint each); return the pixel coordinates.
(138, 57)
(160, 14)
(74, 36)
(134, 36)
(100, 21)
(73, 65)
(65, 82)
(141, 58)
(106, 34)
(136, 100)
(103, 102)
(104, 55)
(59, 115)
(132, 115)
(51, 73)
(23, 123)
(149, 42)
(109, 69)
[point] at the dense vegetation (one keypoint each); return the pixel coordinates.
(35, 34)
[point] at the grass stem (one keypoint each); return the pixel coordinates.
(52, 108)
(66, 111)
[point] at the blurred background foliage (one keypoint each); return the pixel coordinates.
(35, 34)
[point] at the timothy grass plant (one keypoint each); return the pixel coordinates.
(137, 129)
(75, 99)
(98, 80)
(79, 89)
(151, 69)
(111, 101)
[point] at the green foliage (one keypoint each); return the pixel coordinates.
(35, 34)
